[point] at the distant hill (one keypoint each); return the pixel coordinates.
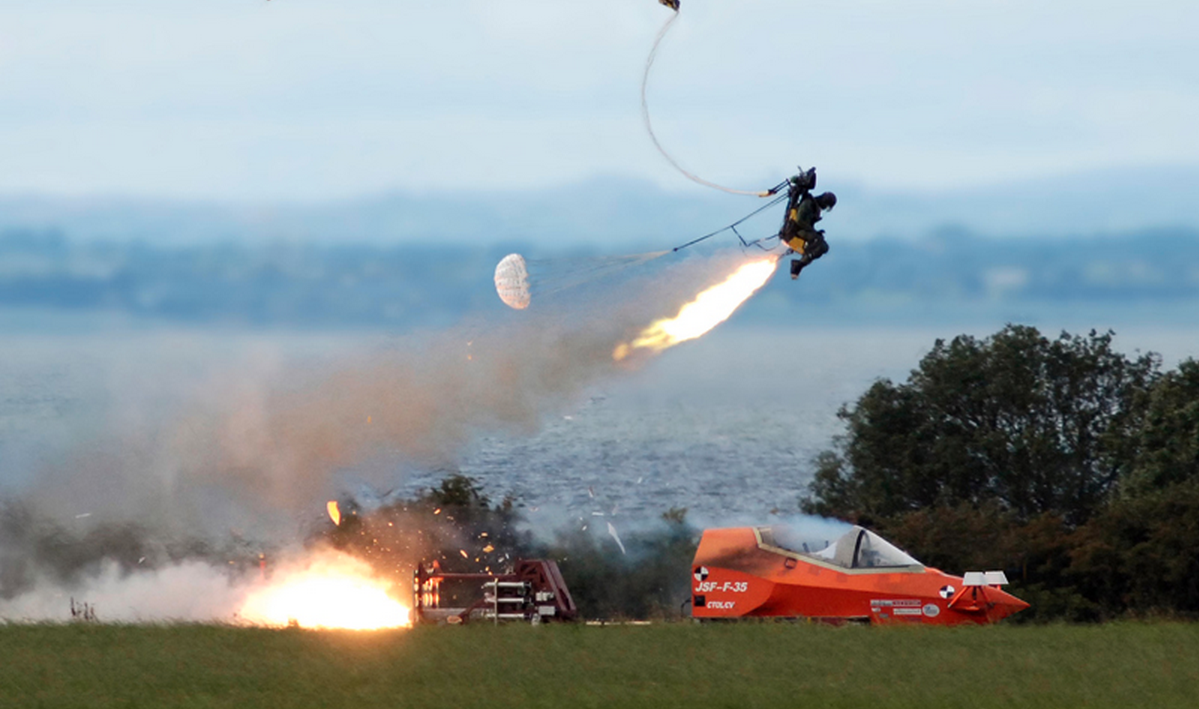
(619, 214)
(1097, 202)
(352, 285)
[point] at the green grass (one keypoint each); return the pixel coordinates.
(675, 665)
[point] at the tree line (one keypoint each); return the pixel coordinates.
(1071, 466)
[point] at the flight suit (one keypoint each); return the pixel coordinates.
(800, 232)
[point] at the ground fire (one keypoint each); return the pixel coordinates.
(329, 590)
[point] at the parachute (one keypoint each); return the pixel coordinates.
(518, 281)
(512, 281)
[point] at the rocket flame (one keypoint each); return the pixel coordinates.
(334, 512)
(710, 308)
(332, 591)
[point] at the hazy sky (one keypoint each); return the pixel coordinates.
(302, 99)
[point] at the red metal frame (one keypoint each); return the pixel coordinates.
(533, 592)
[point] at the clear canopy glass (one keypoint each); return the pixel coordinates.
(857, 548)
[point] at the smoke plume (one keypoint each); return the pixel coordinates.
(252, 452)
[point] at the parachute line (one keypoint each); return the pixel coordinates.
(550, 282)
(733, 227)
(649, 126)
(519, 282)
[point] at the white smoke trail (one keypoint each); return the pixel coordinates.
(256, 447)
(649, 126)
(191, 591)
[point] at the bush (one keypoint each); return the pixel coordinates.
(651, 579)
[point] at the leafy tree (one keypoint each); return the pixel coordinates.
(1142, 553)
(457, 490)
(1035, 554)
(1031, 425)
(1167, 450)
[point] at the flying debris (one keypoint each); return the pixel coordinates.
(772, 571)
(672, 4)
(612, 533)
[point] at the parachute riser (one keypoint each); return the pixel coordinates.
(733, 227)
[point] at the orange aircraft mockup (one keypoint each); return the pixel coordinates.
(769, 571)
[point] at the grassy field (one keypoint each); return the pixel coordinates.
(674, 665)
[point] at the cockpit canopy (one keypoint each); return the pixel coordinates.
(856, 549)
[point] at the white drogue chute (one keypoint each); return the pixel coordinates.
(512, 281)
(517, 280)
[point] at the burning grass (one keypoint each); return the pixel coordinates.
(676, 664)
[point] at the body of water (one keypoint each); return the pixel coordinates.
(726, 426)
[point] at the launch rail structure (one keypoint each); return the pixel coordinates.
(533, 592)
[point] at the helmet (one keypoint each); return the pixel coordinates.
(828, 200)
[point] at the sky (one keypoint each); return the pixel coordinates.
(317, 100)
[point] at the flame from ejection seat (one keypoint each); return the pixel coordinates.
(334, 512)
(710, 308)
(333, 590)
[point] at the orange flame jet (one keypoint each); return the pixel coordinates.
(708, 309)
(768, 571)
